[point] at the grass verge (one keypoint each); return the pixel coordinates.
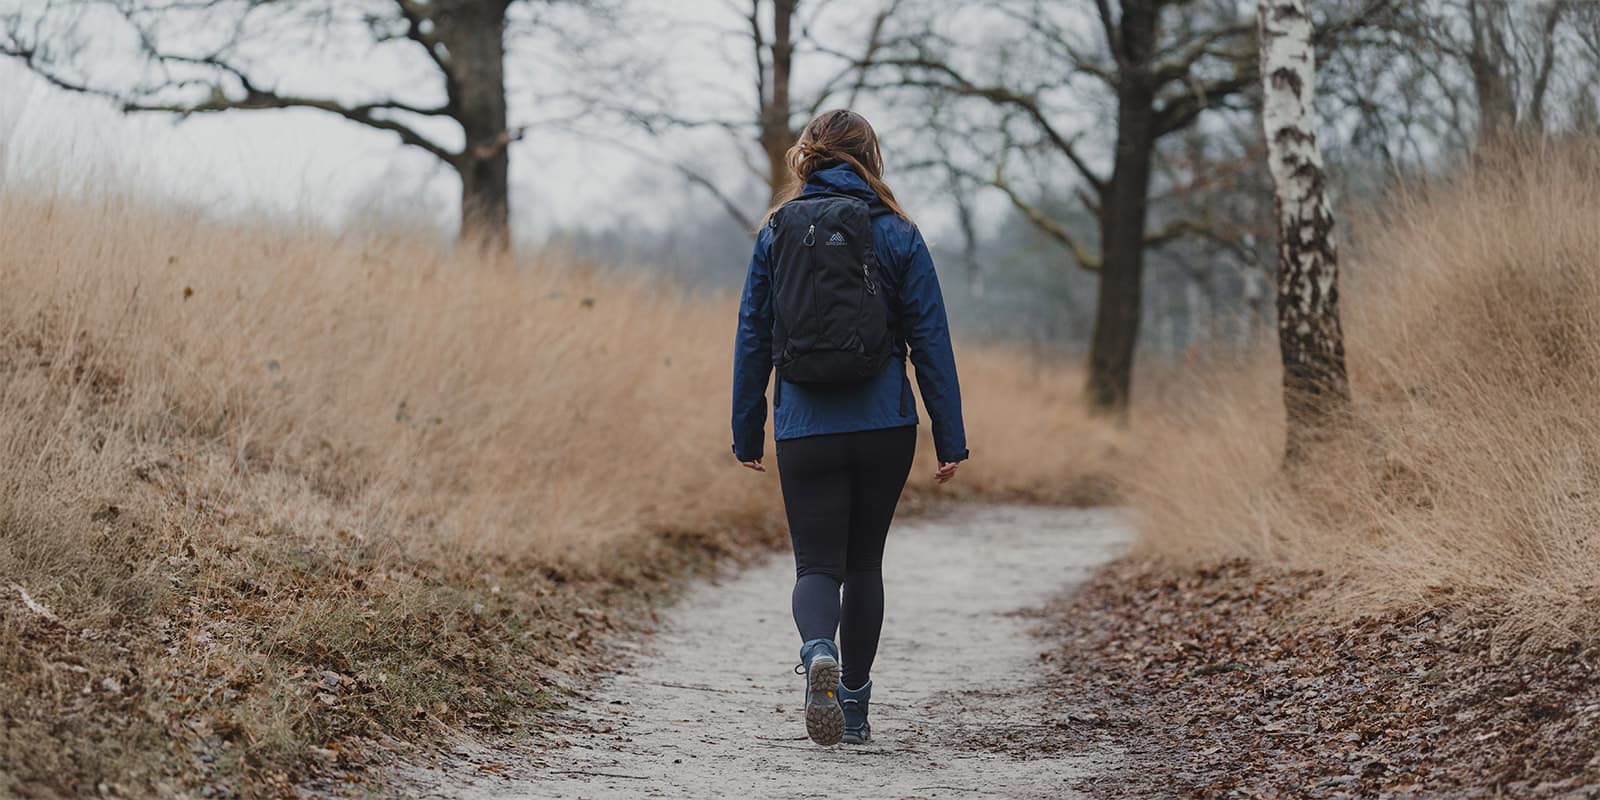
(274, 502)
(1471, 477)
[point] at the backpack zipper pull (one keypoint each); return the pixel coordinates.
(866, 272)
(811, 236)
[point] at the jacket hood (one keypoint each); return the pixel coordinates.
(842, 179)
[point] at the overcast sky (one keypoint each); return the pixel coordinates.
(291, 160)
(313, 164)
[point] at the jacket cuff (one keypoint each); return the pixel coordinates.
(951, 458)
(743, 457)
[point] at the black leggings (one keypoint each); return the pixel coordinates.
(840, 491)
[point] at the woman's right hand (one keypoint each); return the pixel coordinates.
(946, 471)
(753, 465)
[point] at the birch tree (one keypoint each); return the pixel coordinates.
(1159, 78)
(1161, 69)
(1315, 386)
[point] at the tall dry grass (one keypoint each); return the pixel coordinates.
(287, 494)
(1472, 475)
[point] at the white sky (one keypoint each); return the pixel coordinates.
(285, 161)
(314, 165)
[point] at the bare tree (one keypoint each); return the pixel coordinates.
(1315, 385)
(1159, 85)
(187, 69)
(1462, 74)
(1510, 52)
(774, 65)
(1161, 65)
(796, 67)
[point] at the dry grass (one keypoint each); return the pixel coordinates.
(291, 495)
(1474, 477)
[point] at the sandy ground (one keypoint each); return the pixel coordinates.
(710, 707)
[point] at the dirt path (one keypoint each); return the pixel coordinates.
(710, 706)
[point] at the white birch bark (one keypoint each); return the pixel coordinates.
(1309, 333)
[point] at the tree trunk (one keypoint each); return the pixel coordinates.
(1488, 62)
(1126, 206)
(776, 135)
(1315, 386)
(473, 32)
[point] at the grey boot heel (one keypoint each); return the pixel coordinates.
(824, 718)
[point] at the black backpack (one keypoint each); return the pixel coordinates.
(830, 325)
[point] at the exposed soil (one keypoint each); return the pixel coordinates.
(710, 707)
(1231, 682)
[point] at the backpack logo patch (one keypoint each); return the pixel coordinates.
(836, 240)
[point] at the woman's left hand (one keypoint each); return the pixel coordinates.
(946, 471)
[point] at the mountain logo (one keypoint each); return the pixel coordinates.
(836, 240)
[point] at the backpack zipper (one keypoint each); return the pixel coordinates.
(811, 236)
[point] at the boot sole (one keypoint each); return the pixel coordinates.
(824, 717)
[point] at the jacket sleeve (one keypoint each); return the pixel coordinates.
(927, 332)
(752, 355)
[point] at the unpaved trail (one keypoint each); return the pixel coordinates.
(710, 707)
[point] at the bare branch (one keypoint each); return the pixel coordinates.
(693, 175)
(734, 209)
(1178, 68)
(1179, 228)
(1541, 82)
(1044, 222)
(1178, 113)
(1053, 35)
(760, 42)
(1000, 95)
(255, 98)
(856, 66)
(415, 14)
(1109, 26)
(258, 100)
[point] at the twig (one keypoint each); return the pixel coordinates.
(671, 685)
(35, 606)
(600, 774)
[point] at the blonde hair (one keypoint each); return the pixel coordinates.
(837, 137)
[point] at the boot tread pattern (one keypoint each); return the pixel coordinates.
(824, 717)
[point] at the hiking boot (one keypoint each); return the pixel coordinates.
(853, 702)
(824, 719)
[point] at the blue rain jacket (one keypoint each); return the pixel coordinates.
(916, 314)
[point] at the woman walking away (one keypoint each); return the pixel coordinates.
(840, 286)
